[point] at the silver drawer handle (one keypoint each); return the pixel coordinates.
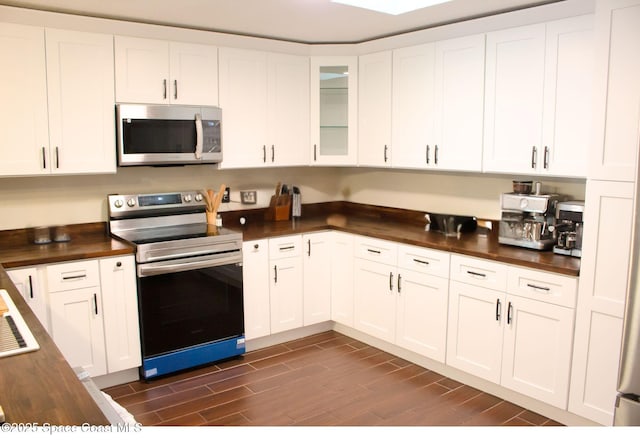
(540, 288)
(420, 261)
(287, 248)
(373, 251)
(477, 274)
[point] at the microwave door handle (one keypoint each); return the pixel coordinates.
(199, 143)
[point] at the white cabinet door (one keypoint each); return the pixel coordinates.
(422, 313)
(568, 97)
(77, 328)
(374, 109)
(141, 70)
(288, 110)
(317, 277)
(24, 140)
(602, 295)
(615, 152)
(194, 74)
(413, 99)
(80, 87)
(537, 349)
(342, 278)
(29, 282)
(375, 299)
(458, 104)
(120, 311)
(286, 284)
(475, 326)
(514, 99)
(334, 110)
(265, 99)
(255, 272)
(243, 98)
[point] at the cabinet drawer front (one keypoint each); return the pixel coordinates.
(545, 286)
(68, 276)
(428, 261)
(285, 247)
(474, 271)
(377, 250)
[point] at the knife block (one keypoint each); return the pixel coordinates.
(279, 208)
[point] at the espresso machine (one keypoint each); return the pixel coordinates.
(569, 226)
(528, 220)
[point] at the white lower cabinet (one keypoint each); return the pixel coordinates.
(255, 272)
(342, 271)
(523, 342)
(90, 308)
(286, 284)
(317, 277)
(30, 282)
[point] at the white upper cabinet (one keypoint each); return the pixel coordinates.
(538, 98)
(374, 109)
(617, 117)
(437, 92)
(24, 145)
(265, 102)
(334, 110)
(61, 110)
(161, 72)
(80, 92)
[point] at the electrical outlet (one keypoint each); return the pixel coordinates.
(248, 197)
(226, 196)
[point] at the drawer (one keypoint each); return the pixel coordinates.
(285, 247)
(74, 275)
(420, 259)
(544, 286)
(373, 249)
(475, 271)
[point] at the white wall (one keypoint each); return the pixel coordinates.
(56, 200)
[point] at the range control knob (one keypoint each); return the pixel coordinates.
(187, 198)
(131, 202)
(198, 197)
(118, 203)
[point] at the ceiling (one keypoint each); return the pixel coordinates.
(307, 21)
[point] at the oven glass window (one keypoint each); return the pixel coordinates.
(184, 309)
(158, 136)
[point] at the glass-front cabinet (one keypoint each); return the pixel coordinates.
(333, 113)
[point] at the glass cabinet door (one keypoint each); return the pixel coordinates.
(333, 110)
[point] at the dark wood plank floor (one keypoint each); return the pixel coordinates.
(323, 380)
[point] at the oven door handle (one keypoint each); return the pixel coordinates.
(148, 270)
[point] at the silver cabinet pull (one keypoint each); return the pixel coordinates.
(164, 89)
(546, 158)
(427, 154)
(509, 313)
(30, 288)
(74, 277)
(273, 153)
(175, 89)
(95, 304)
(420, 261)
(385, 153)
(390, 281)
(309, 248)
(477, 274)
(435, 155)
(275, 274)
(498, 310)
(44, 159)
(399, 282)
(57, 158)
(315, 153)
(373, 251)
(534, 156)
(264, 153)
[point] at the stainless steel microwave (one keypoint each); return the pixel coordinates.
(152, 134)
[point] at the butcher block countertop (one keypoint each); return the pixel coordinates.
(402, 226)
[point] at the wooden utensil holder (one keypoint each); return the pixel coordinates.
(279, 208)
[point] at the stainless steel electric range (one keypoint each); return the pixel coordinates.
(189, 277)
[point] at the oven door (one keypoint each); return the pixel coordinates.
(187, 308)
